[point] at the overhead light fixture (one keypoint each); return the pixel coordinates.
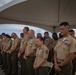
(4, 2)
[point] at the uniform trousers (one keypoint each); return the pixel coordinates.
(29, 63)
(42, 71)
(66, 70)
(8, 62)
(74, 66)
(23, 65)
(4, 61)
(14, 63)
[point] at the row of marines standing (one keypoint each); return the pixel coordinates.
(33, 54)
(30, 50)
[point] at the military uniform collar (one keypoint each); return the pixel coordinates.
(67, 38)
(42, 46)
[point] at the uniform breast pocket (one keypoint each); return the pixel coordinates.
(65, 50)
(40, 53)
(66, 46)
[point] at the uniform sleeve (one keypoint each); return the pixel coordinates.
(26, 39)
(51, 43)
(21, 43)
(45, 53)
(16, 42)
(55, 48)
(73, 47)
(34, 46)
(9, 44)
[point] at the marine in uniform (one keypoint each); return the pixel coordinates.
(48, 41)
(22, 51)
(40, 63)
(64, 51)
(4, 42)
(72, 33)
(30, 52)
(6, 48)
(14, 53)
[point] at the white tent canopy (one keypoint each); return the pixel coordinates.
(46, 14)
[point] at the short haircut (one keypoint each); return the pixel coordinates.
(46, 33)
(39, 33)
(3, 34)
(71, 31)
(64, 24)
(54, 33)
(8, 36)
(27, 28)
(41, 38)
(21, 35)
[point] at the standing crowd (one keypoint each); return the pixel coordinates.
(29, 55)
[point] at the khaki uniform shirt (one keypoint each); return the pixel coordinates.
(24, 40)
(65, 47)
(42, 52)
(3, 42)
(31, 46)
(16, 42)
(49, 43)
(8, 44)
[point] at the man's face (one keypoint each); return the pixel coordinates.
(46, 35)
(12, 35)
(30, 34)
(24, 30)
(63, 30)
(5, 37)
(38, 35)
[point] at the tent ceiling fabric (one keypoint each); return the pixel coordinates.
(45, 14)
(4, 4)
